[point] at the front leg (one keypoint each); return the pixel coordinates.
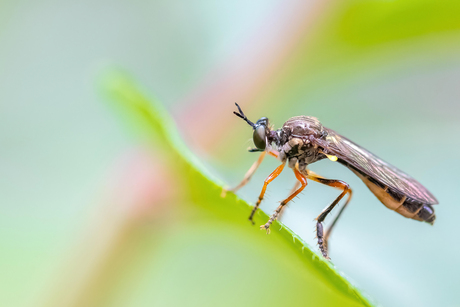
(249, 173)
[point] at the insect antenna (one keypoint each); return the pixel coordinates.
(241, 115)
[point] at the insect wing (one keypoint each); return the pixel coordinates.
(366, 162)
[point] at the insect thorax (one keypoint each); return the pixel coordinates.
(300, 140)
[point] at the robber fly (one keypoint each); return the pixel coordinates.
(304, 140)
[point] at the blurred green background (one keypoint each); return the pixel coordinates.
(383, 73)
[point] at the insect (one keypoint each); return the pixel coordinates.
(303, 140)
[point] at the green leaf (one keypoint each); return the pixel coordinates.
(212, 255)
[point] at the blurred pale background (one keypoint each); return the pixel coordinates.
(383, 73)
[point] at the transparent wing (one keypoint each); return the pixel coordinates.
(371, 165)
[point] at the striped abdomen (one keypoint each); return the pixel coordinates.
(398, 202)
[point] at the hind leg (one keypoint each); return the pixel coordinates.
(321, 235)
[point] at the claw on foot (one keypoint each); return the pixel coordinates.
(266, 227)
(223, 193)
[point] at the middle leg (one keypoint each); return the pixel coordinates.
(294, 188)
(303, 181)
(269, 179)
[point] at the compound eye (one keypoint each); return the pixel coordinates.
(259, 137)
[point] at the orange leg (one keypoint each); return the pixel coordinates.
(294, 188)
(249, 173)
(303, 182)
(273, 153)
(322, 239)
(269, 179)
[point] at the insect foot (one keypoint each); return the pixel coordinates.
(266, 227)
(321, 243)
(223, 193)
(251, 216)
